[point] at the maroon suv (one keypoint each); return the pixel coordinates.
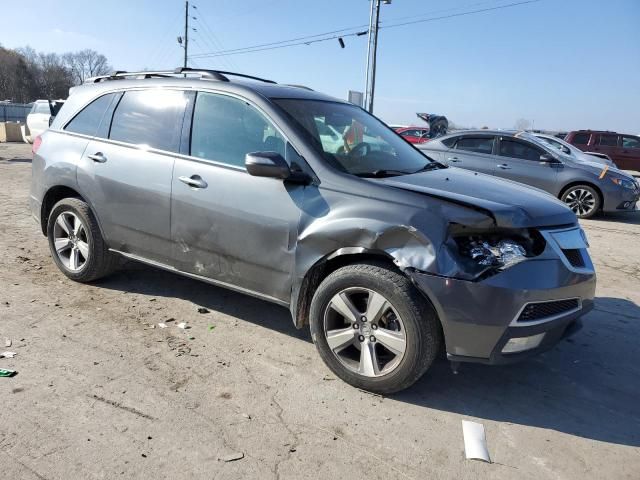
(624, 150)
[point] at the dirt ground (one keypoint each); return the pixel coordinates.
(102, 394)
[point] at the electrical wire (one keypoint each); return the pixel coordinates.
(332, 35)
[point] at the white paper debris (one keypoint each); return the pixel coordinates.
(182, 325)
(162, 325)
(8, 354)
(475, 441)
(7, 342)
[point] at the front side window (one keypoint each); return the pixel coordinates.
(41, 107)
(476, 144)
(152, 118)
(608, 140)
(631, 142)
(225, 129)
(363, 146)
(515, 149)
(89, 119)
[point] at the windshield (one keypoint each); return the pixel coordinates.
(352, 140)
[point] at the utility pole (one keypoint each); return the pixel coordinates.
(186, 32)
(372, 50)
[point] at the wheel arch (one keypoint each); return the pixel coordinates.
(586, 183)
(53, 196)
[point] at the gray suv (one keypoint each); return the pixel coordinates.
(587, 187)
(387, 255)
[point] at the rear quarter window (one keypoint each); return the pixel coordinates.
(90, 117)
(581, 138)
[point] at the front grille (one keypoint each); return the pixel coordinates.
(574, 255)
(539, 311)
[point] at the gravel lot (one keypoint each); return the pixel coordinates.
(102, 394)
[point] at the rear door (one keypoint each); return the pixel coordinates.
(519, 160)
(126, 171)
(629, 153)
(606, 143)
(227, 225)
(473, 152)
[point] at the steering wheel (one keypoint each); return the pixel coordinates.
(360, 150)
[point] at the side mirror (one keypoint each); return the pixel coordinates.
(267, 164)
(548, 158)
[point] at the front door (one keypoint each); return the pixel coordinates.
(127, 175)
(519, 160)
(227, 225)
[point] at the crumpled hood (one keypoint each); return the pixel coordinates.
(511, 204)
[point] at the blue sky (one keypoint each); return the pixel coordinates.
(564, 64)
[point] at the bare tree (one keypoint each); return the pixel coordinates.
(85, 64)
(522, 124)
(52, 77)
(17, 82)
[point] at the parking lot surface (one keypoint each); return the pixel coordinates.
(103, 392)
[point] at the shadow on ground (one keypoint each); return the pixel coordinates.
(586, 386)
(632, 218)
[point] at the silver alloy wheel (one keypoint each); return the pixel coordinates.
(581, 201)
(364, 332)
(71, 241)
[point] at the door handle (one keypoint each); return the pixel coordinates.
(504, 166)
(194, 181)
(98, 157)
(453, 159)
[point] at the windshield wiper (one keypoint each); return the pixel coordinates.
(430, 166)
(382, 173)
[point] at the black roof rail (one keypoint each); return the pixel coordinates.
(204, 73)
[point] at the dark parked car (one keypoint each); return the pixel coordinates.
(586, 187)
(623, 149)
(388, 255)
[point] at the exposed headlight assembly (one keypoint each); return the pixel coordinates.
(501, 254)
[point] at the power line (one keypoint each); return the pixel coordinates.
(332, 35)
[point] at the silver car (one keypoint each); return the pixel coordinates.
(587, 187)
(387, 256)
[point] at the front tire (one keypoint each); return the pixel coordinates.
(373, 329)
(76, 243)
(583, 200)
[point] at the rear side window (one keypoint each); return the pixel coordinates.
(225, 129)
(40, 108)
(150, 117)
(515, 149)
(631, 142)
(476, 144)
(608, 140)
(88, 120)
(581, 138)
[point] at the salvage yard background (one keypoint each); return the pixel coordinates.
(102, 392)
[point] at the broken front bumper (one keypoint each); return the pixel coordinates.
(516, 313)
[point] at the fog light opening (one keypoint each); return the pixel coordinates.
(520, 344)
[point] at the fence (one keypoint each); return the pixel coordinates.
(14, 112)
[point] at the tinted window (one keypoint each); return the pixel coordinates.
(150, 117)
(449, 142)
(88, 120)
(476, 144)
(225, 129)
(581, 138)
(514, 149)
(630, 142)
(608, 140)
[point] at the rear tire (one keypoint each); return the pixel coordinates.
(76, 243)
(388, 350)
(583, 200)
